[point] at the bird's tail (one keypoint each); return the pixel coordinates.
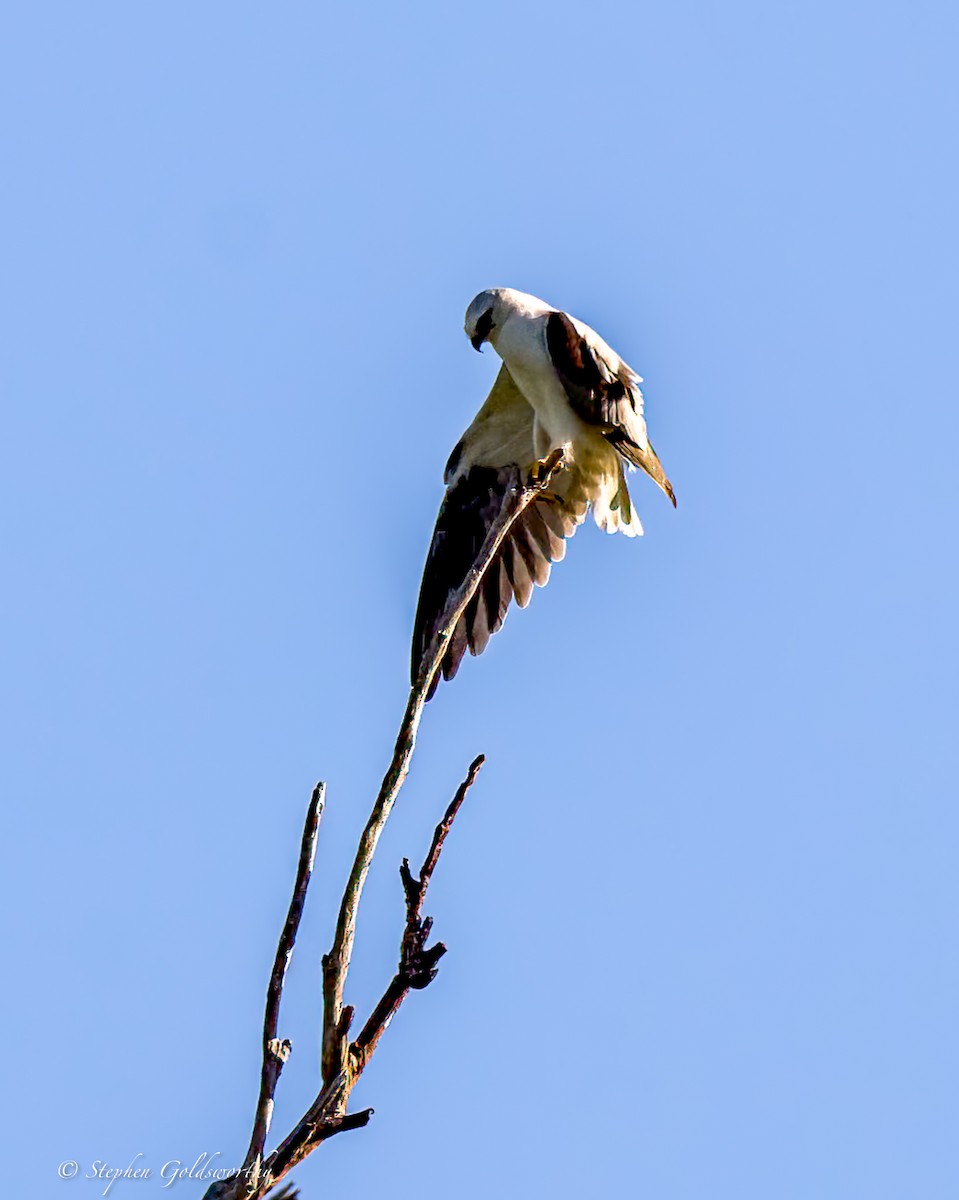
(648, 461)
(644, 457)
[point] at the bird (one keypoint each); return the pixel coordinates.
(559, 386)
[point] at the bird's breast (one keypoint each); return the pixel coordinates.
(522, 346)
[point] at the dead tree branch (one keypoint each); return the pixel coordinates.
(343, 1061)
(417, 967)
(275, 1051)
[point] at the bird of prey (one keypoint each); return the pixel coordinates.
(560, 385)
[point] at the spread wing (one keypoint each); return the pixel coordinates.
(477, 476)
(603, 391)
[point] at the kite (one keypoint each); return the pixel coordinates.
(560, 385)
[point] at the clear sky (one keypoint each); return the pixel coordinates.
(702, 903)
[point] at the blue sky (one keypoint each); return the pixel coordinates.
(701, 905)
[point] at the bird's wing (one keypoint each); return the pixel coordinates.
(603, 391)
(478, 475)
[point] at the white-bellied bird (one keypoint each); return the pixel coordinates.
(560, 385)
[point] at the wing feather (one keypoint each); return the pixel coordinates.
(454, 654)
(552, 547)
(536, 563)
(477, 623)
(519, 575)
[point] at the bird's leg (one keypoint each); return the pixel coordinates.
(543, 468)
(536, 473)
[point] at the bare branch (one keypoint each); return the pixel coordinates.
(275, 1051)
(306, 1137)
(417, 967)
(439, 835)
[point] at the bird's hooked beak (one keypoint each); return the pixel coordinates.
(476, 341)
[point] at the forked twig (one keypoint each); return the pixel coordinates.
(417, 966)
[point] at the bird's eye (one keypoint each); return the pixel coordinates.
(483, 329)
(484, 326)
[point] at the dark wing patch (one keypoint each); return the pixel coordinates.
(600, 396)
(535, 540)
(597, 395)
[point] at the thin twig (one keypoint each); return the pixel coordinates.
(276, 1052)
(440, 833)
(337, 962)
(417, 967)
(306, 1137)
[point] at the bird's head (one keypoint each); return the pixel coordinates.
(481, 317)
(490, 309)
